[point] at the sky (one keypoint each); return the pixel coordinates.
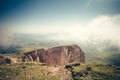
(70, 19)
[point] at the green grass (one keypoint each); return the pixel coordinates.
(33, 71)
(26, 72)
(96, 72)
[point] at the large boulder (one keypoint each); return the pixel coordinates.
(58, 55)
(7, 60)
(64, 54)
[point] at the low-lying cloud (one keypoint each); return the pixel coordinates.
(102, 27)
(6, 37)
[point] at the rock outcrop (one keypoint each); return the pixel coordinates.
(35, 54)
(7, 60)
(75, 54)
(57, 55)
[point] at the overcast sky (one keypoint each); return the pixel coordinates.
(71, 19)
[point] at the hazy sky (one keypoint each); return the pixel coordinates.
(71, 19)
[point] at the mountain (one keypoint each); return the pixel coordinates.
(55, 63)
(33, 71)
(54, 56)
(60, 55)
(97, 50)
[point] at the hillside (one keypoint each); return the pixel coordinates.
(33, 71)
(95, 72)
(60, 55)
(57, 63)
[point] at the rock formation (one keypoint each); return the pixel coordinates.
(10, 60)
(75, 54)
(33, 55)
(7, 60)
(57, 55)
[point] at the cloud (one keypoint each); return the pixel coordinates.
(106, 27)
(6, 37)
(102, 27)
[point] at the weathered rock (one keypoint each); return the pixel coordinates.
(10, 60)
(41, 54)
(58, 55)
(33, 55)
(30, 58)
(13, 60)
(61, 55)
(37, 59)
(64, 54)
(75, 54)
(19, 59)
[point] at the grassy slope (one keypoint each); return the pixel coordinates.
(26, 72)
(33, 71)
(96, 72)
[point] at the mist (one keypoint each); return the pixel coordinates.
(6, 37)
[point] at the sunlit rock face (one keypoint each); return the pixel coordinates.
(75, 54)
(60, 55)
(56, 56)
(33, 55)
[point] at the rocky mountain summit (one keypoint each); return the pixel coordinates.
(60, 55)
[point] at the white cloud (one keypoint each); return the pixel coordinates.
(102, 27)
(106, 26)
(5, 36)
